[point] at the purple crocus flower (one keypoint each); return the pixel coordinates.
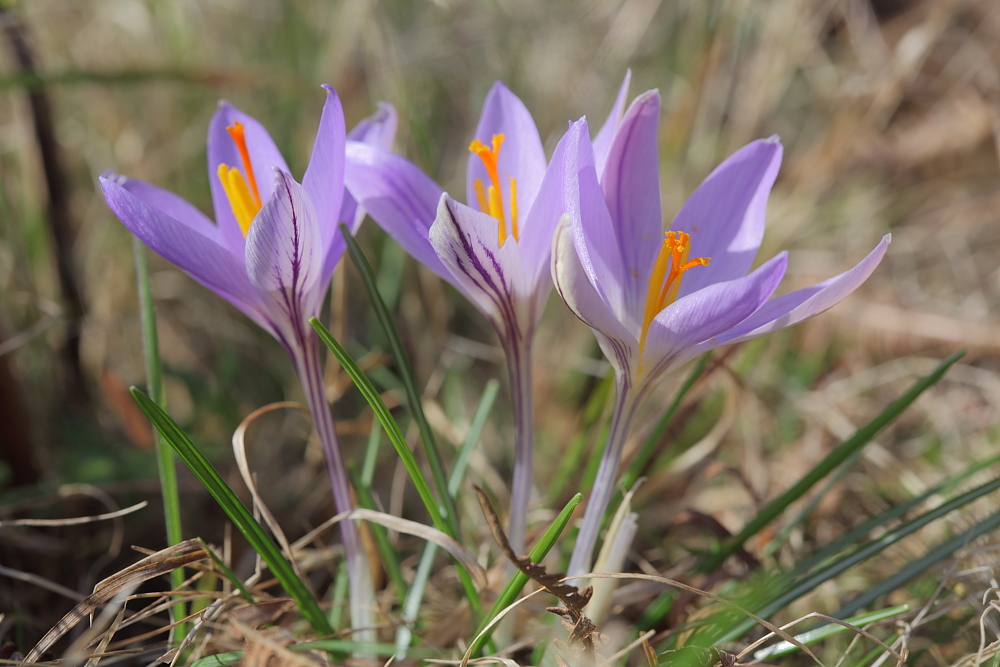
(269, 253)
(495, 251)
(656, 300)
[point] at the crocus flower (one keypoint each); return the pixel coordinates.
(656, 300)
(270, 253)
(495, 250)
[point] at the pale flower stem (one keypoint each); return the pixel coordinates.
(361, 588)
(519, 368)
(604, 482)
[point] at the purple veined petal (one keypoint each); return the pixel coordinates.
(222, 150)
(602, 142)
(707, 313)
(725, 214)
(284, 256)
(488, 274)
(535, 238)
(631, 186)
(521, 155)
(377, 130)
(399, 197)
(171, 204)
(594, 235)
(207, 261)
(324, 179)
(788, 309)
(587, 303)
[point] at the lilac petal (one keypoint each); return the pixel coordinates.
(489, 274)
(535, 238)
(206, 260)
(725, 215)
(284, 257)
(521, 156)
(594, 235)
(587, 302)
(221, 150)
(631, 186)
(324, 179)
(788, 309)
(602, 142)
(399, 197)
(171, 204)
(378, 130)
(707, 313)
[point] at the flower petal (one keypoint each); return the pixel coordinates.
(171, 204)
(284, 257)
(707, 313)
(489, 275)
(725, 215)
(324, 180)
(594, 235)
(222, 150)
(631, 185)
(788, 309)
(203, 258)
(399, 197)
(586, 301)
(378, 130)
(521, 156)
(602, 142)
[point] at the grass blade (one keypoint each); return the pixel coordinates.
(832, 460)
(828, 630)
(236, 511)
(391, 428)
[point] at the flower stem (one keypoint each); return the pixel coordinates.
(362, 594)
(519, 368)
(604, 483)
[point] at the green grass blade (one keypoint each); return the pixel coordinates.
(517, 582)
(226, 572)
(829, 630)
(164, 455)
(236, 511)
(409, 381)
(390, 559)
(836, 457)
(391, 428)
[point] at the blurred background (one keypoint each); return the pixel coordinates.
(888, 111)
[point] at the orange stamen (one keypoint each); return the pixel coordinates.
(665, 280)
(490, 199)
(238, 134)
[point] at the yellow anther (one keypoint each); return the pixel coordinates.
(665, 280)
(490, 199)
(242, 193)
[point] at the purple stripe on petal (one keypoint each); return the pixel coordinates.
(490, 275)
(222, 150)
(207, 261)
(788, 309)
(324, 178)
(631, 186)
(725, 215)
(521, 156)
(707, 313)
(399, 197)
(284, 257)
(602, 142)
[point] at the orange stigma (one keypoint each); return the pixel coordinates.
(665, 281)
(242, 193)
(491, 199)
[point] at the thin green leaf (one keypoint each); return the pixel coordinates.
(517, 582)
(391, 428)
(832, 460)
(409, 381)
(236, 511)
(226, 572)
(824, 631)
(390, 559)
